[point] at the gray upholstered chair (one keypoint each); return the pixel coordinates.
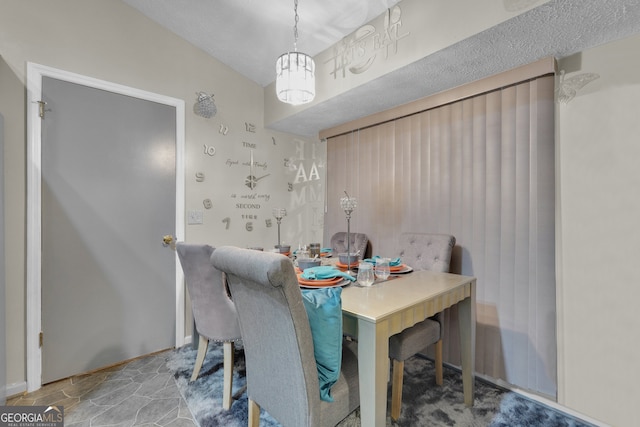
(359, 242)
(420, 251)
(213, 311)
(282, 376)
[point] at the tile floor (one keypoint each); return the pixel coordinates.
(140, 392)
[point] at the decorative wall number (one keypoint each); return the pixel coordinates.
(207, 203)
(290, 184)
(250, 127)
(227, 221)
(223, 129)
(249, 226)
(199, 176)
(268, 222)
(209, 150)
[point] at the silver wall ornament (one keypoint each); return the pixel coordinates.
(569, 87)
(204, 106)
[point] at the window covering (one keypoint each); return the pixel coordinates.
(482, 169)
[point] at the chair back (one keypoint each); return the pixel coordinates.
(213, 310)
(424, 251)
(281, 369)
(358, 242)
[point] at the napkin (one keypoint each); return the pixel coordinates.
(393, 262)
(325, 272)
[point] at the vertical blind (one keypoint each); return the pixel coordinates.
(481, 169)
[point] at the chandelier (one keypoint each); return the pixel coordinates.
(295, 72)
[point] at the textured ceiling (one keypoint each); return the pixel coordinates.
(249, 35)
(227, 29)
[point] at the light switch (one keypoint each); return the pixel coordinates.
(194, 217)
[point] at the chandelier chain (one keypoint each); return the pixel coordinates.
(295, 25)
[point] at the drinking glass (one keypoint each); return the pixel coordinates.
(365, 274)
(314, 250)
(382, 268)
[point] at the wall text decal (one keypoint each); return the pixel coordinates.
(358, 52)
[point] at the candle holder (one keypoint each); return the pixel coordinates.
(348, 204)
(279, 213)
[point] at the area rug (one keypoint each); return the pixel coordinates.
(424, 403)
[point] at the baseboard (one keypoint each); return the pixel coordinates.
(554, 405)
(531, 396)
(16, 389)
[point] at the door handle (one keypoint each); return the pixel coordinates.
(169, 241)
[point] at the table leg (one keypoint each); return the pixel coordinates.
(373, 355)
(195, 336)
(467, 324)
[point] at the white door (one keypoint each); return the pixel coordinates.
(108, 286)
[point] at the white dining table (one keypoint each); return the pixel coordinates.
(373, 314)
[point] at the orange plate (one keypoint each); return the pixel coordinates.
(341, 265)
(314, 282)
(397, 267)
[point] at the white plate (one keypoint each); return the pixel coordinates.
(405, 270)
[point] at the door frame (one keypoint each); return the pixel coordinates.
(35, 73)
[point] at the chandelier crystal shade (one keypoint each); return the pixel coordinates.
(295, 73)
(295, 78)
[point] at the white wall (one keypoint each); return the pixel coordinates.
(3, 323)
(599, 236)
(111, 41)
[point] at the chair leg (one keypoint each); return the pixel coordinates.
(438, 362)
(202, 351)
(228, 375)
(254, 414)
(396, 389)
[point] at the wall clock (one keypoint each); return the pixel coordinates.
(252, 180)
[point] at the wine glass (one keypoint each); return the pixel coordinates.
(365, 274)
(382, 268)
